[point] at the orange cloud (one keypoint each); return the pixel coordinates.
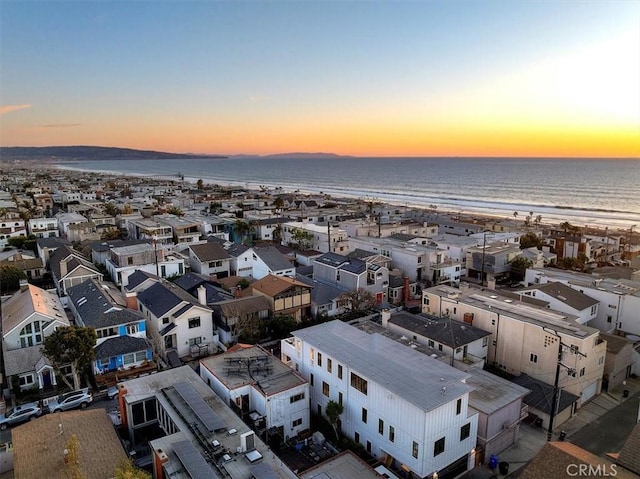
(9, 108)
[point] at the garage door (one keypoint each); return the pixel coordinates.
(589, 391)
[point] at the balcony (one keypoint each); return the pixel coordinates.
(113, 377)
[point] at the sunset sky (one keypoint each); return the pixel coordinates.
(367, 78)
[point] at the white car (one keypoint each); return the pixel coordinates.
(72, 400)
(21, 413)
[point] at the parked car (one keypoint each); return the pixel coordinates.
(112, 392)
(72, 400)
(21, 413)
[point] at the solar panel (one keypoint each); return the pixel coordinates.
(207, 416)
(192, 460)
(263, 470)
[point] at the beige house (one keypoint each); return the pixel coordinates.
(526, 338)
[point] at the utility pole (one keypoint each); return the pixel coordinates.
(556, 392)
(329, 234)
(484, 245)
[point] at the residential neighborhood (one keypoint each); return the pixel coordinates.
(228, 332)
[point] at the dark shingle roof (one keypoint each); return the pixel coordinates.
(541, 395)
(120, 345)
(352, 265)
(629, 457)
(61, 254)
(402, 237)
(190, 281)
(360, 254)
(209, 251)
(138, 277)
(273, 258)
(96, 309)
(52, 242)
(100, 246)
(236, 249)
(164, 297)
(446, 331)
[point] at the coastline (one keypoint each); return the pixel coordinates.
(470, 214)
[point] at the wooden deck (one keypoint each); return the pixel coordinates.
(112, 378)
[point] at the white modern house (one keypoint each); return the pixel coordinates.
(561, 297)
(260, 388)
(407, 409)
(619, 299)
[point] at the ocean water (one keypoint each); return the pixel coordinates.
(597, 192)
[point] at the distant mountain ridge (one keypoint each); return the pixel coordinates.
(90, 153)
(78, 153)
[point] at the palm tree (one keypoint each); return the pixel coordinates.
(110, 209)
(241, 229)
(566, 226)
(199, 184)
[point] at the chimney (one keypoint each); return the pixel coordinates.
(63, 268)
(202, 295)
(406, 292)
(385, 316)
(160, 458)
(131, 299)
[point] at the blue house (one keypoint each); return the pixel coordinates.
(122, 340)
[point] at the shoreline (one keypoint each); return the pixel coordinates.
(470, 215)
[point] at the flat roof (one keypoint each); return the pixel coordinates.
(253, 365)
(162, 387)
(345, 465)
(417, 378)
(492, 392)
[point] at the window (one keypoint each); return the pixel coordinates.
(340, 399)
(581, 372)
(485, 341)
(129, 261)
(339, 371)
(364, 415)
(438, 447)
(380, 426)
(392, 434)
(312, 356)
(533, 358)
(458, 406)
(414, 450)
(132, 328)
(319, 359)
(356, 437)
(141, 356)
(165, 320)
(296, 398)
(338, 276)
(465, 431)
(431, 343)
(128, 359)
(439, 347)
(325, 388)
(600, 360)
(31, 334)
(358, 383)
(215, 264)
(296, 422)
(26, 380)
(194, 323)
(609, 318)
(311, 379)
(329, 365)
(195, 341)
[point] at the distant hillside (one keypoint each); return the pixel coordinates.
(71, 153)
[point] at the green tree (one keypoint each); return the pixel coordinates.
(301, 239)
(281, 326)
(333, 411)
(17, 241)
(530, 239)
(241, 230)
(10, 277)
(73, 346)
(111, 234)
(566, 226)
(110, 209)
(518, 267)
(278, 203)
(174, 210)
(127, 470)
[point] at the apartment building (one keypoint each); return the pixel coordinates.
(407, 409)
(526, 338)
(317, 237)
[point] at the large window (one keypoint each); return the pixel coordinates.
(296, 398)
(465, 431)
(194, 322)
(31, 334)
(358, 383)
(132, 328)
(325, 388)
(438, 447)
(392, 434)
(106, 332)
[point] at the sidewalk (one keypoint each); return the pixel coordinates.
(532, 438)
